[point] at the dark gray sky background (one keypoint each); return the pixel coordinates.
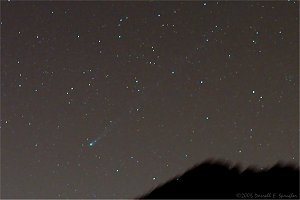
(110, 99)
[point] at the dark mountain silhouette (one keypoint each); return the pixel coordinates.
(220, 181)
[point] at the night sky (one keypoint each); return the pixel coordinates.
(110, 99)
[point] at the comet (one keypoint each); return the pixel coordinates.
(93, 142)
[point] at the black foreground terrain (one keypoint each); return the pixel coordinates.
(218, 180)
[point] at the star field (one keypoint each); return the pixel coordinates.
(110, 99)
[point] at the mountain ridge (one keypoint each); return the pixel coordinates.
(219, 179)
